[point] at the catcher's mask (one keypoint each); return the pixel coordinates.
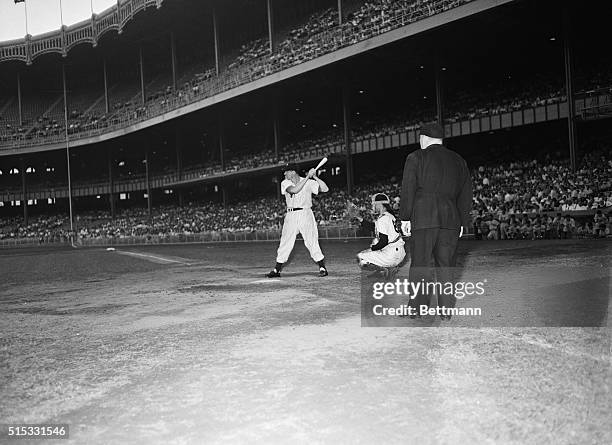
(379, 198)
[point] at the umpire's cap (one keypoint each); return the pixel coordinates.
(433, 130)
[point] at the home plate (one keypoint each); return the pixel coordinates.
(267, 280)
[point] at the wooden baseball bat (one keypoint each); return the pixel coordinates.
(321, 163)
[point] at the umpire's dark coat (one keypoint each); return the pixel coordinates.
(436, 198)
(436, 189)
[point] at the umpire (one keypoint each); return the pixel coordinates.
(436, 199)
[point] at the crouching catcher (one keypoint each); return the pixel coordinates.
(387, 251)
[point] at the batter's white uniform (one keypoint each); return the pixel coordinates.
(299, 221)
(393, 253)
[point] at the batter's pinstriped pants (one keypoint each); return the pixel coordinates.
(299, 221)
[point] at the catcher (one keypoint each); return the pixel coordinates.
(387, 249)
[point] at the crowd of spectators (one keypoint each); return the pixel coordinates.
(503, 97)
(506, 195)
(532, 199)
(517, 200)
(46, 228)
(319, 34)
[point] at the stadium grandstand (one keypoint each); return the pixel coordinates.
(171, 119)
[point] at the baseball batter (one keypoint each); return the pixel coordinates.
(298, 193)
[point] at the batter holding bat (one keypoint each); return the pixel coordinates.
(298, 193)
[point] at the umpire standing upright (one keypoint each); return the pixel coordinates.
(436, 199)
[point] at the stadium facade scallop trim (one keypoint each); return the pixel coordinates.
(87, 31)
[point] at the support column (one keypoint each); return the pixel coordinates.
(221, 142)
(67, 150)
(24, 191)
(276, 128)
(215, 37)
(439, 94)
(173, 56)
(206, 155)
(179, 162)
(19, 99)
(277, 184)
(270, 11)
(148, 179)
(340, 12)
(142, 83)
(106, 107)
(111, 183)
(346, 112)
(569, 87)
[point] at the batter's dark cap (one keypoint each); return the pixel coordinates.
(433, 130)
(290, 166)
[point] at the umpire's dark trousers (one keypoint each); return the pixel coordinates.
(433, 247)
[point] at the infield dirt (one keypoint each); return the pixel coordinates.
(199, 348)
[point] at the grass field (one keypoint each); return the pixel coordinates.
(189, 344)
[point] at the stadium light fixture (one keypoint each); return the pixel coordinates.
(121, 163)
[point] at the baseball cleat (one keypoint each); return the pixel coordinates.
(273, 274)
(323, 272)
